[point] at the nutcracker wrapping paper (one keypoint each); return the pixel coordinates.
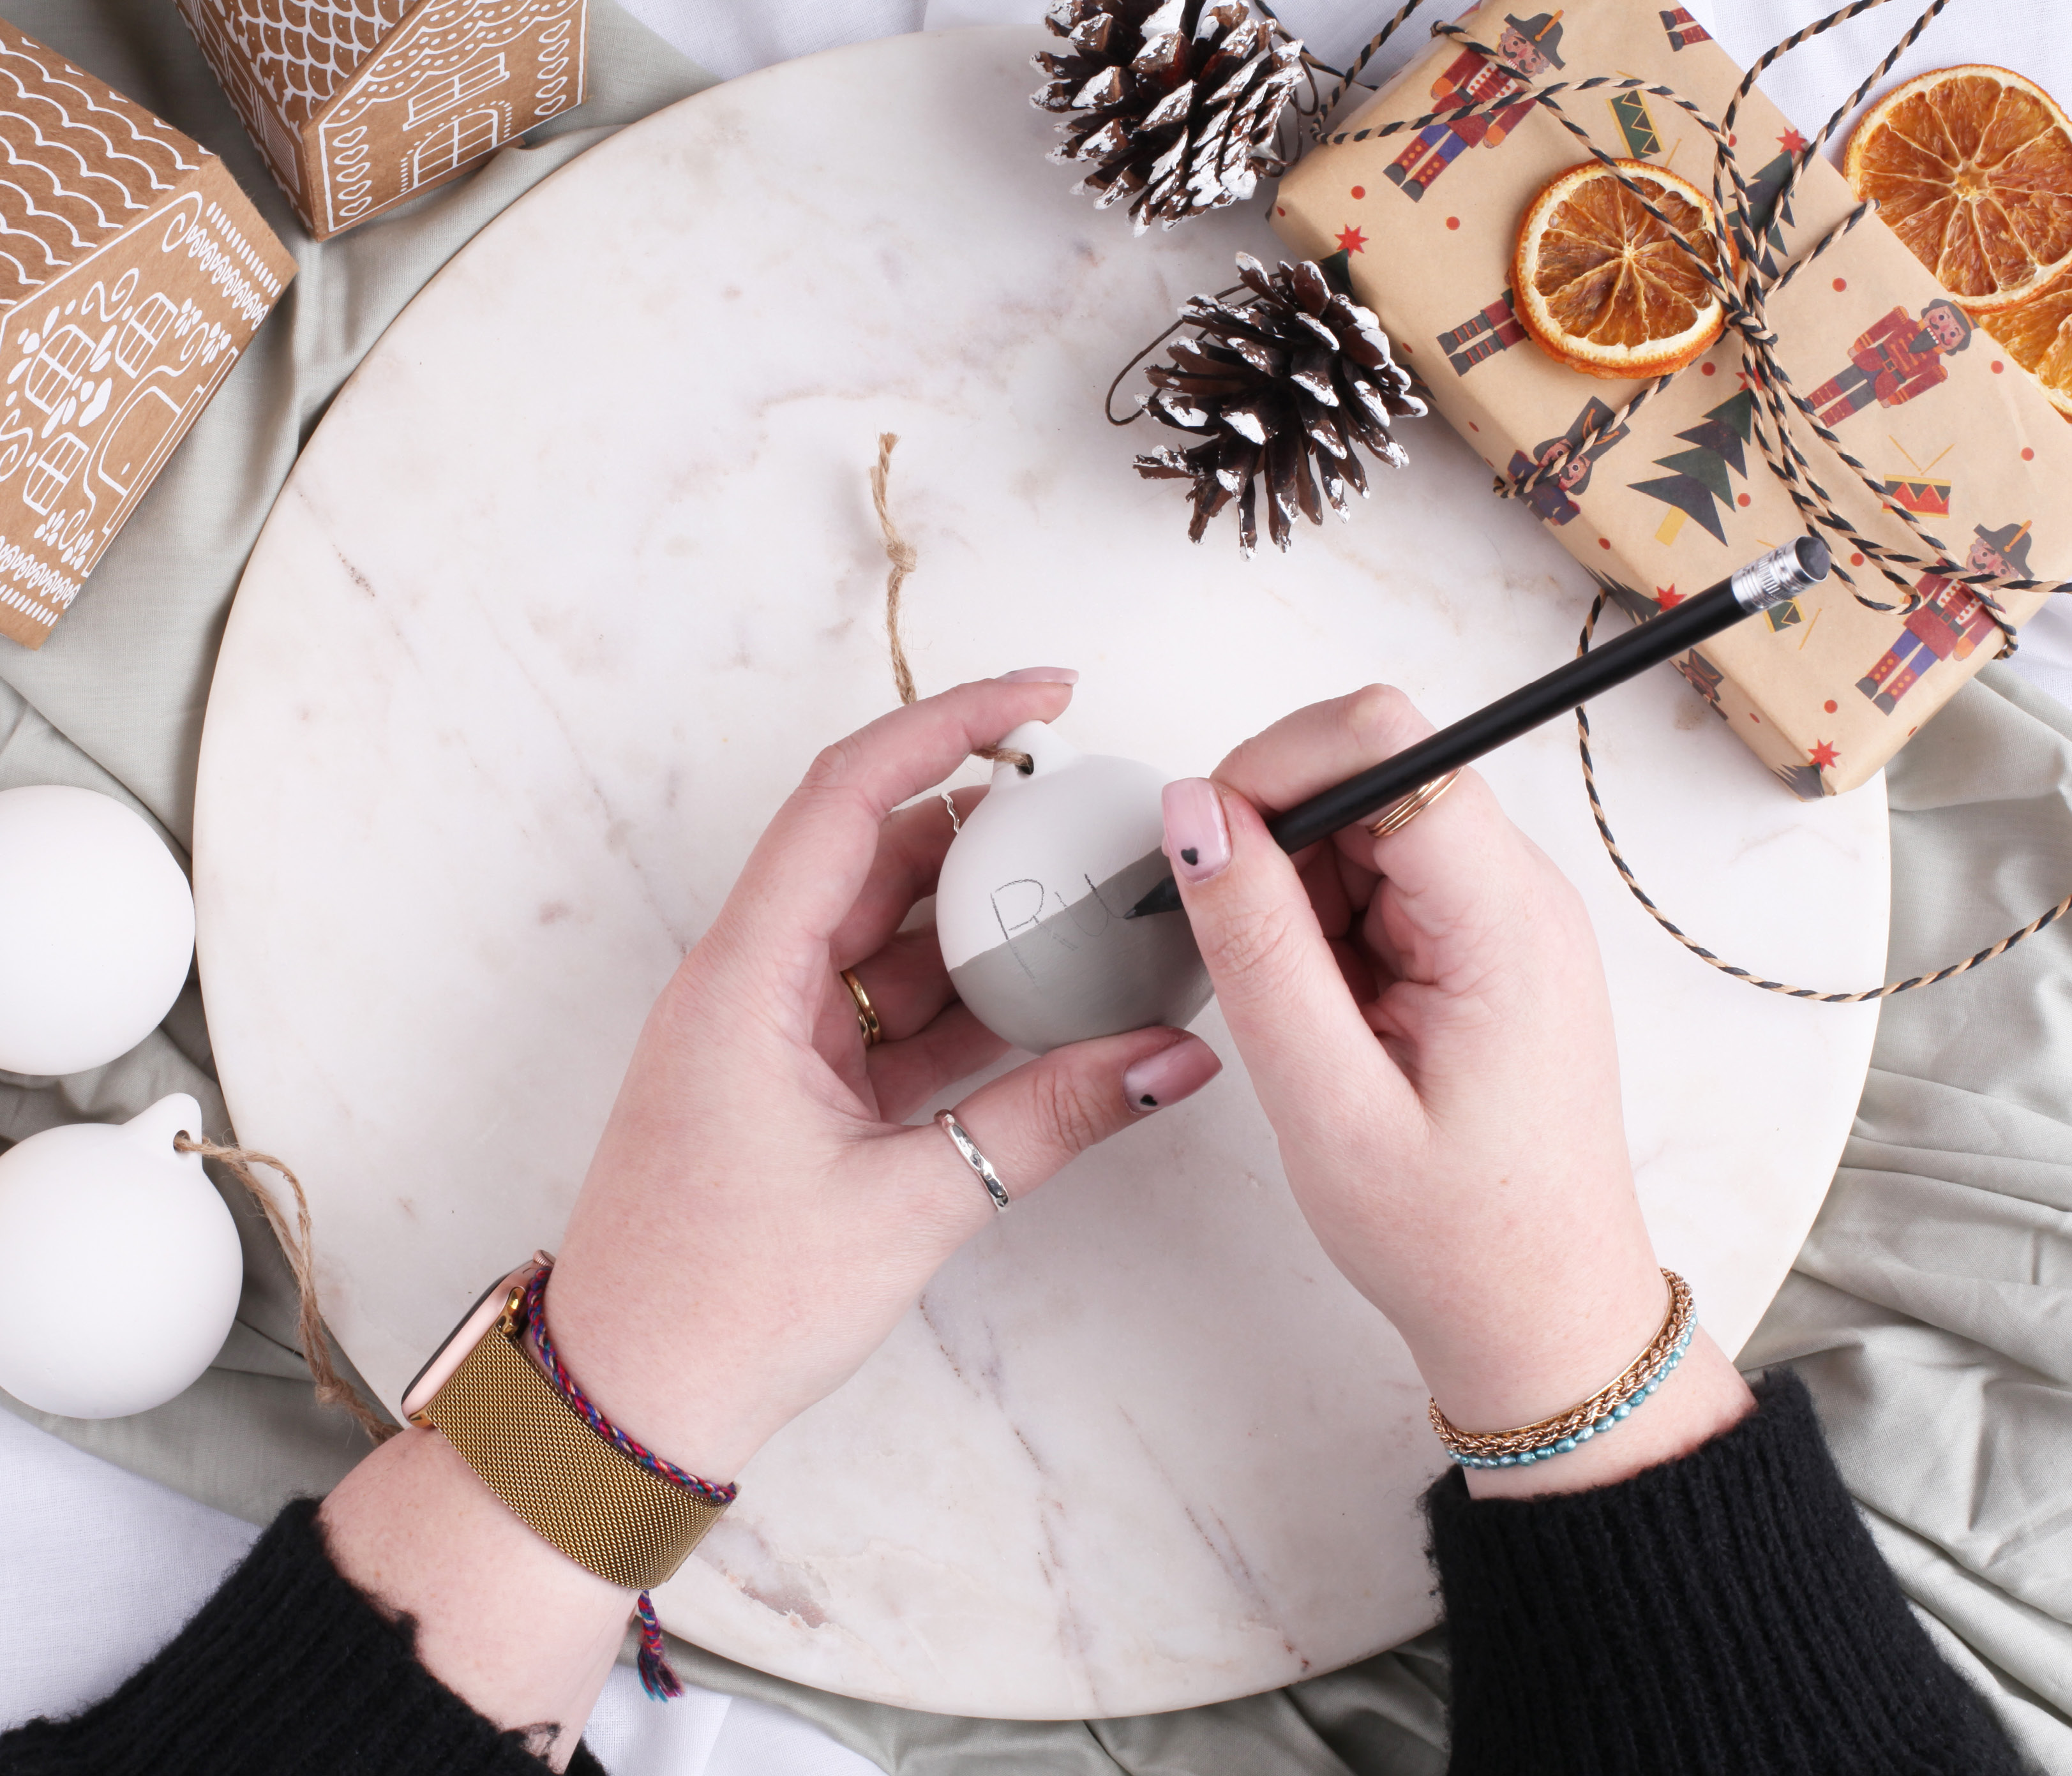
(358, 105)
(132, 272)
(1824, 689)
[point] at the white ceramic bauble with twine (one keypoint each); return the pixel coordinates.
(123, 1264)
(1029, 908)
(96, 929)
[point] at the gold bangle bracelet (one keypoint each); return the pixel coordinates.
(1603, 1410)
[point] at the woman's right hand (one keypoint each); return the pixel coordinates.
(1426, 1022)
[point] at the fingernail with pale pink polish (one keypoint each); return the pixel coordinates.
(1173, 1073)
(1197, 840)
(1040, 675)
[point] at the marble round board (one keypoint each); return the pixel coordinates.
(576, 577)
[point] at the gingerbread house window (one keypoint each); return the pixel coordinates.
(429, 101)
(455, 143)
(142, 333)
(53, 473)
(57, 367)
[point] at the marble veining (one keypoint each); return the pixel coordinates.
(579, 571)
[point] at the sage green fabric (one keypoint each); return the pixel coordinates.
(1930, 1312)
(114, 701)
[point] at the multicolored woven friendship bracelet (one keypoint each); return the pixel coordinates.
(656, 1677)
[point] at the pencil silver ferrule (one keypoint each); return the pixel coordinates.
(1772, 579)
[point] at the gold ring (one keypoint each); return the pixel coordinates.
(1399, 812)
(866, 1013)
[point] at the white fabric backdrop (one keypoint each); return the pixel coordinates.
(98, 1568)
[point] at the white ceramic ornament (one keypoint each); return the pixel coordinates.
(96, 929)
(123, 1264)
(1029, 907)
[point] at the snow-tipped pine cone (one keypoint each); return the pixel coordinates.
(1174, 106)
(1287, 383)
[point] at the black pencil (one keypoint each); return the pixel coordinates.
(1770, 579)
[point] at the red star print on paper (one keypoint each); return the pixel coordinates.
(1792, 142)
(1351, 241)
(1668, 596)
(1824, 754)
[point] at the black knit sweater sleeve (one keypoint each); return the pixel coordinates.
(1723, 1613)
(287, 1667)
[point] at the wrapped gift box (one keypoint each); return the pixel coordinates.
(132, 272)
(1426, 221)
(358, 105)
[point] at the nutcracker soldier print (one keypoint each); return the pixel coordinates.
(1950, 620)
(1898, 358)
(1483, 335)
(1554, 498)
(1529, 45)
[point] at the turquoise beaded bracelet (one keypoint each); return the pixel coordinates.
(1603, 1412)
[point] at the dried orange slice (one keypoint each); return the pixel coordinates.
(2037, 332)
(1603, 286)
(1971, 167)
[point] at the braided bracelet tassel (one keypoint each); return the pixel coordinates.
(656, 1678)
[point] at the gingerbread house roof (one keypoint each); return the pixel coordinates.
(79, 164)
(302, 51)
(447, 34)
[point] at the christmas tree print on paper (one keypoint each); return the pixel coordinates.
(1337, 270)
(1683, 29)
(1702, 477)
(1804, 781)
(1636, 604)
(1771, 218)
(1483, 335)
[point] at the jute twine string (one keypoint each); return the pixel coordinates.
(900, 554)
(1705, 955)
(332, 1388)
(1746, 313)
(1746, 305)
(297, 1242)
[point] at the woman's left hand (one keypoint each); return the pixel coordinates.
(758, 1216)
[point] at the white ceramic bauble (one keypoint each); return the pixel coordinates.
(1029, 907)
(123, 1267)
(96, 929)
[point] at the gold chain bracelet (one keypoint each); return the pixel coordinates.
(1604, 1410)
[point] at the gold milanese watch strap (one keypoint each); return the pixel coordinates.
(596, 1505)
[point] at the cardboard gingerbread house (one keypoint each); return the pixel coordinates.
(133, 273)
(358, 105)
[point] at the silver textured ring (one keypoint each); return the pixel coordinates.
(947, 1122)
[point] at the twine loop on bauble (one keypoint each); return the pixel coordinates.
(332, 1388)
(900, 554)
